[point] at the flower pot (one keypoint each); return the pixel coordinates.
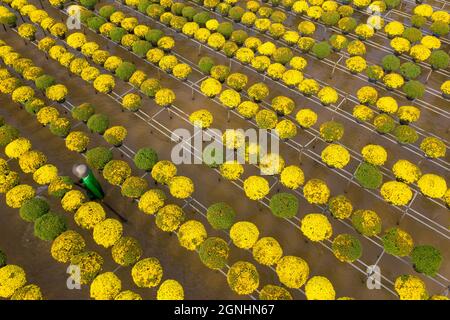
(446, 95)
(373, 80)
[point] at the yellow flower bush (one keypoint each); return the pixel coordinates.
(397, 193)
(335, 155)
(423, 10)
(105, 286)
(248, 109)
(47, 115)
(244, 55)
(72, 200)
(89, 214)
(230, 98)
(30, 161)
(181, 71)
(291, 37)
(367, 95)
(433, 147)
(167, 63)
(22, 94)
(292, 78)
(363, 113)
(292, 177)
(151, 201)
(328, 95)
(340, 207)
(77, 141)
(147, 273)
(306, 28)
(211, 87)
(89, 74)
(374, 154)
(137, 78)
(316, 191)
(408, 114)
(292, 271)
(116, 172)
(256, 187)
(104, 83)
(216, 41)
(67, 245)
(243, 278)
(298, 63)
(267, 251)
(419, 52)
(170, 290)
(394, 29)
(319, 288)
(393, 80)
(400, 45)
(364, 31)
(356, 48)
(181, 187)
(201, 118)
(231, 170)
(316, 227)
(112, 62)
(163, 171)
(107, 232)
(169, 218)
(271, 164)
(306, 118)
(441, 16)
(446, 198)
(406, 171)
(166, 43)
(261, 63)
(115, 135)
(276, 71)
(191, 234)
(18, 195)
(286, 129)
(387, 104)
(76, 40)
(12, 278)
(164, 97)
(244, 234)
(431, 42)
(45, 174)
(432, 185)
(410, 287)
(17, 148)
(356, 64)
(27, 31)
(233, 139)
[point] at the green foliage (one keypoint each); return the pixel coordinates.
(143, 5)
(226, 29)
(154, 35)
(98, 123)
(150, 86)
(49, 226)
(413, 89)
(106, 11)
(347, 247)
(177, 8)
(321, 50)
(360, 222)
(236, 13)
(395, 242)
(239, 37)
(283, 55)
(125, 70)
(410, 70)
(221, 216)
(331, 131)
(44, 81)
(347, 24)
(83, 112)
(33, 209)
(90, 4)
(60, 128)
(330, 18)
(134, 187)
(390, 63)
(412, 34)
(426, 259)
(98, 157)
(418, 21)
(284, 205)
(59, 192)
(368, 176)
(213, 253)
(188, 12)
(201, 18)
(391, 4)
(439, 28)
(95, 23)
(34, 105)
(7, 134)
(205, 64)
(145, 159)
(439, 59)
(141, 47)
(384, 123)
(126, 251)
(405, 134)
(223, 8)
(117, 33)
(155, 11)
